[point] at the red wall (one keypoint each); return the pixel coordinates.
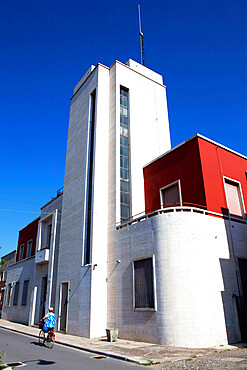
(182, 163)
(200, 165)
(29, 232)
(216, 163)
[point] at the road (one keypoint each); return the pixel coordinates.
(27, 350)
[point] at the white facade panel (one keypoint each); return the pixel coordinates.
(195, 279)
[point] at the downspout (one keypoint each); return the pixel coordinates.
(232, 251)
(51, 261)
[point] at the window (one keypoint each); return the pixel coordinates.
(29, 248)
(21, 252)
(144, 284)
(234, 197)
(8, 297)
(170, 195)
(90, 173)
(24, 293)
(49, 227)
(124, 156)
(16, 293)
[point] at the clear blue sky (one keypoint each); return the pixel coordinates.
(199, 46)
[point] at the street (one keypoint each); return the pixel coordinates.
(26, 349)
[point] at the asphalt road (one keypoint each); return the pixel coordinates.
(27, 350)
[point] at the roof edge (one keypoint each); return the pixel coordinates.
(192, 138)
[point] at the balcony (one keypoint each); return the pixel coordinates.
(42, 256)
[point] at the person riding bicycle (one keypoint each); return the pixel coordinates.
(49, 321)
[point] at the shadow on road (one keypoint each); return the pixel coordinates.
(41, 362)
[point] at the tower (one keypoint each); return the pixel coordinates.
(118, 123)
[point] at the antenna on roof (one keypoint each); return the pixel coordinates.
(141, 37)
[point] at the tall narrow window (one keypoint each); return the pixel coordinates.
(124, 156)
(90, 172)
(21, 252)
(29, 248)
(234, 198)
(16, 293)
(8, 297)
(24, 293)
(144, 292)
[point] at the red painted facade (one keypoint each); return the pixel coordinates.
(25, 235)
(200, 165)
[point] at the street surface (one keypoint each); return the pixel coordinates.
(26, 349)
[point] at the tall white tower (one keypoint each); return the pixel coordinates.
(118, 123)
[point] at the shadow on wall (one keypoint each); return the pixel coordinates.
(233, 303)
(133, 325)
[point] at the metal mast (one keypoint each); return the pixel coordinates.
(141, 37)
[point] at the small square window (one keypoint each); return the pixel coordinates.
(144, 284)
(170, 195)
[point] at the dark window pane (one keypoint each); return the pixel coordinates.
(16, 294)
(24, 293)
(144, 287)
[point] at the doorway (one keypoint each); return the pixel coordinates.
(64, 306)
(43, 297)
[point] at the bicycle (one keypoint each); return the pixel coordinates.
(48, 340)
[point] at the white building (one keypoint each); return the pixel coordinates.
(118, 123)
(153, 240)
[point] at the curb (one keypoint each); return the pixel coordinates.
(97, 352)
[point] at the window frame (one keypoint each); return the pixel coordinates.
(24, 302)
(28, 248)
(240, 193)
(21, 252)
(125, 209)
(144, 309)
(178, 183)
(9, 294)
(16, 294)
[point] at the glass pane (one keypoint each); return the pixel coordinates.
(125, 163)
(143, 275)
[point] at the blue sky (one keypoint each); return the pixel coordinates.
(199, 46)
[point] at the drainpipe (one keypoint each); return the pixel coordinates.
(231, 244)
(51, 260)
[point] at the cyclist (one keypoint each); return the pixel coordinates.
(49, 321)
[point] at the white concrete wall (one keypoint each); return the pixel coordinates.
(20, 271)
(87, 295)
(149, 137)
(195, 279)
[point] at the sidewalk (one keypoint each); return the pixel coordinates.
(138, 352)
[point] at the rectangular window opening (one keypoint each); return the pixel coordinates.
(9, 291)
(16, 293)
(29, 248)
(89, 190)
(21, 252)
(125, 199)
(24, 293)
(170, 195)
(234, 197)
(144, 284)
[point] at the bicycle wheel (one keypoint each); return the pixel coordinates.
(49, 340)
(41, 337)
